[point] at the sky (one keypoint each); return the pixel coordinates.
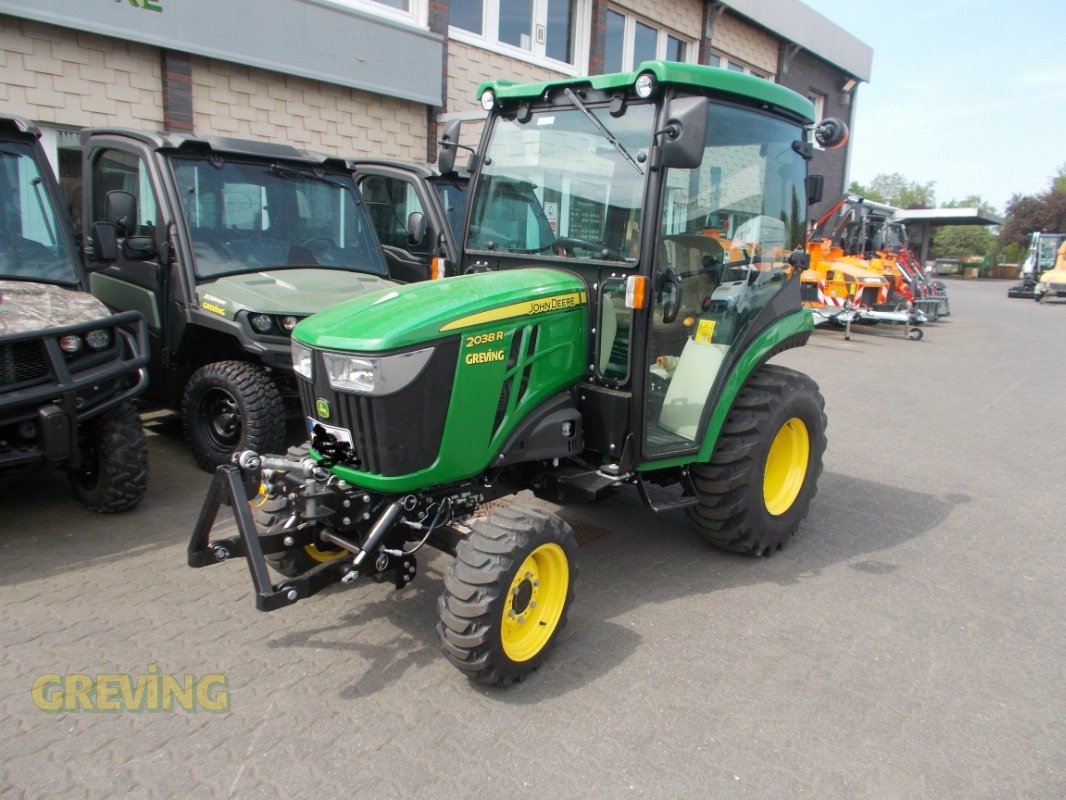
(968, 94)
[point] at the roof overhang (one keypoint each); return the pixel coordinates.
(947, 216)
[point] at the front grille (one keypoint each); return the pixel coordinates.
(396, 434)
(22, 362)
(869, 296)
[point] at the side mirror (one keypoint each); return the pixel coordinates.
(104, 242)
(815, 185)
(416, 227)
(120, 209)
(831, 133)
(685, 133)
(139, 248)
(448, 139)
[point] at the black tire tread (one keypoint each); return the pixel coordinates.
(471, 605)
(121, 449)
(723, 515)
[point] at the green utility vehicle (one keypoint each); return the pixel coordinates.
(68, 367)
(223, 245)
(417, 213)
(610, 338)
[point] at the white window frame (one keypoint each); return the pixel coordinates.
(490, 27)
(736, 65)
(418, 15)
(819, 99)
(629, 40)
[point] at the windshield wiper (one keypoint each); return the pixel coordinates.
(300, 175)
(621, 148)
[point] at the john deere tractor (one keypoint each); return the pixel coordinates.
(631, 257)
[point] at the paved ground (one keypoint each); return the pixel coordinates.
(910, 645)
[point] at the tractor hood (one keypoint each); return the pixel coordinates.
(26, 306)
(420, 312)
(285, 291)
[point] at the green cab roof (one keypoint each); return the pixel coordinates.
(696, 76)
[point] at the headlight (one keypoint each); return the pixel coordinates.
(376, 376)
(262, 323)
(644, 85)
(98, 339)
(288, 323)
(70, 343)
(301, 360)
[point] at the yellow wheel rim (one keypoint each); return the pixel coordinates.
(321, 556)
(786, 466)
(534, 602)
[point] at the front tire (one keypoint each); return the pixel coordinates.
(763, 474)
(271, 513)
(230, 406)
(114, 462)
(507, 594)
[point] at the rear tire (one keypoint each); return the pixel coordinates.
(230, 406)
(507, 594)
(759, 482)
(114, 472)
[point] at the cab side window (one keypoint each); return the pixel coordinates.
(114, 169)
(390, 202)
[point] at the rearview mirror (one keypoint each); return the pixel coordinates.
(416, 227)
(448, 139)
(104, 242)
(120, 209)
(815, 185)
(685, 134)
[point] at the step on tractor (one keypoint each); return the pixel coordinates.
(223, 245)
(69, 368)
(1039, 258)
(608, 332)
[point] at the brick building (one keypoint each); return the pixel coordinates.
(377, 77)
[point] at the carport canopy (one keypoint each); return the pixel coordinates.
(920, 222)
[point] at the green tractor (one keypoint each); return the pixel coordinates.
(633, 244)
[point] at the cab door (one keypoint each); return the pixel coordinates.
(391, 197)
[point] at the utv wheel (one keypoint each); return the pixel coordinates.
(915, 334)
(231, 406)
(758, 485)
(114, 452)
(507, 594)
(270, 513)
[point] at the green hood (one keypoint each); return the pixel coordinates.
(285, 291)
(420, 312)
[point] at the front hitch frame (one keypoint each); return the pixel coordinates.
(228, 488)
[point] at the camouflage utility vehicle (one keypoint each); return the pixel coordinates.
(620, 347)
(68, 366)
(223, 245)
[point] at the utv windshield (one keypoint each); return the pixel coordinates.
(32, 245)
(554, 185)
(251, 216)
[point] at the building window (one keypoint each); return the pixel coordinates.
(413, 11)
(819, 109)
(539, 30)
(735, 65)
(630, 41)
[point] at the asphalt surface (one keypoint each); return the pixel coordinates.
(909, 645)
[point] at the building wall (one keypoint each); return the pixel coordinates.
(683, 16)
(807, 73)
(748, 43)
(60, 76)
(248, 103)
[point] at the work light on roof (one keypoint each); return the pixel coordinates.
(488, 99)
(644, 85)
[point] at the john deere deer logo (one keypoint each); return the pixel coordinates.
(322, 407)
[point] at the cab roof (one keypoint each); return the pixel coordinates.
(694, 76)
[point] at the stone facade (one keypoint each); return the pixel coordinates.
(60, 76)
(746, 42)
(683, 16)
(248, 103)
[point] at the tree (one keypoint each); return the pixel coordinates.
(963, 241)
(1029, 213)
(900, 192)
(1058, 183)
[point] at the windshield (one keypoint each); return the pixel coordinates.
(554, 185)
(453, 196)
(250, 216)
(31, 242)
